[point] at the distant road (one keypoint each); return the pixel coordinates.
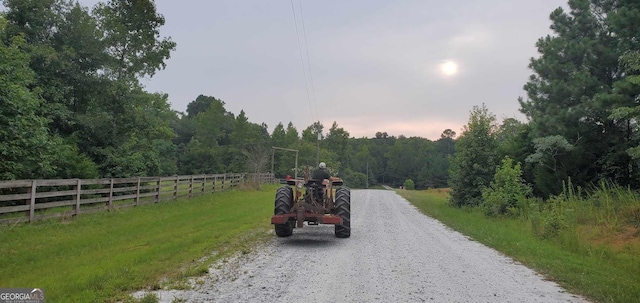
(395, 254)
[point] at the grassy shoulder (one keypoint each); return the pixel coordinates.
(103, 257)
(595, 269)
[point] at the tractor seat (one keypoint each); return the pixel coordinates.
(316, 182)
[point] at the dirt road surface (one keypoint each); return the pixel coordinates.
(395, 254)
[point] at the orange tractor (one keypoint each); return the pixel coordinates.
(321, 202)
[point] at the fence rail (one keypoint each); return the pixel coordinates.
(32, 200)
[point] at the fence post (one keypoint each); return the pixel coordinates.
(190, 186)
(215, 180)
(32, 201)
(204, 184)
(137, 193)
(109, 203)
(175, 187)
(158, 187)
(78, 191)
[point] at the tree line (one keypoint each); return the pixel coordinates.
(211, 139)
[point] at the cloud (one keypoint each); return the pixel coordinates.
(475, 37)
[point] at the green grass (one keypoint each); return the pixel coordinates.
(595, 271)
(105, 256)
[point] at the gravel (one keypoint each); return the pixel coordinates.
(395, 254)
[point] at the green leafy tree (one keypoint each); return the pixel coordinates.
(379, 148)
(282, 160)
(506, 191)
(203, 153)
(550, 156)
(408, 184)
(354, 179)
(473, 164)
(41, 23)
(132, 37)
(25, 144)
(86, 72)
(278, 136)
(363, 162)
(310, 134)
(292, 136)
(245, 138)
(570, 92)
(447, 141)
(513, 140)
(167, 154)
(629, 87)
(337, 141)
(201, 104)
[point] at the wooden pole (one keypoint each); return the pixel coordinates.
(78, 191)
(273, 153)
(32, 202)
(204, 184)
(109, 203)
(158, 188)
(175, 187)
(137, 193)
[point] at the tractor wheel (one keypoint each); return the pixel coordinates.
(343, 209)
(284, 202)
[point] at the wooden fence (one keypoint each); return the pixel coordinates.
(32, 200)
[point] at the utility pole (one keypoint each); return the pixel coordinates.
(318, 148)
(367, 174)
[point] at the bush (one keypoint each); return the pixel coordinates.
(408, 184)
(551, 219)
(354, 179)
(507, 191)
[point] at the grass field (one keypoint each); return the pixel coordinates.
(596, 269)
(103, 257)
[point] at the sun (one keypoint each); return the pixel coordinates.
(449, 68)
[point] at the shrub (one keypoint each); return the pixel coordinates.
(507, 191)
(408, 184)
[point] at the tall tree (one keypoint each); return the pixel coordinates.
(629, 87)
(474, 162)
(131, 32)
(201, 104)
(292, 136)
(25, 147)
(337, 141)
(310, 134)
(569, 94)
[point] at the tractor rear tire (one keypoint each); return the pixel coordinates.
(283, 204)
(343, 209)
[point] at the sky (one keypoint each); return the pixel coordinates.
(410, 67)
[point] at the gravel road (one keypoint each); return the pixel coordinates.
(395, 254)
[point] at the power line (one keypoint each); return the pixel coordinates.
(306, 46)
(306, 84)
